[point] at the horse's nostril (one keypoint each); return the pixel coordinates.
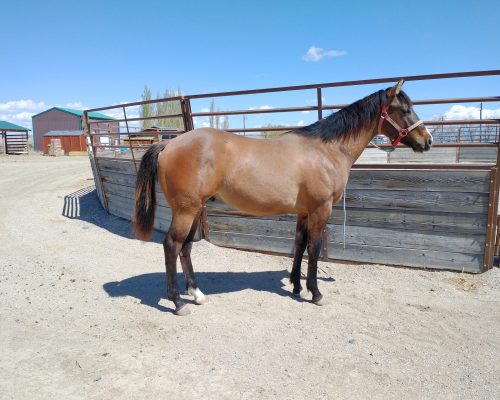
(430, 142)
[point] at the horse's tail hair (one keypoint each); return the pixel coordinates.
(145, 193)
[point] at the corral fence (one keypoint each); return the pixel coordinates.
(14, 143)
(438, 210)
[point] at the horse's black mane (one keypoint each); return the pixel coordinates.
(349, 120)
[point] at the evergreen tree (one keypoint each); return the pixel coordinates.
(148, 109)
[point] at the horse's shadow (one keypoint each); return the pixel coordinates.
(151, 288)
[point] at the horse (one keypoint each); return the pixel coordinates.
(304, 171)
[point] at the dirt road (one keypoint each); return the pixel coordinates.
(83, 314)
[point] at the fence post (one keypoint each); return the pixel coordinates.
(320, 103)
(129, 140)
(96, 170)
(491, 228)
(187, 114)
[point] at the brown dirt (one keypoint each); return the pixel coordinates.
(83, 314)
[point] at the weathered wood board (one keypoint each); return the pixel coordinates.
(421, 218)
(446, 155)
(412, 217)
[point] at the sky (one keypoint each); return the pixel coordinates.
(86, 54)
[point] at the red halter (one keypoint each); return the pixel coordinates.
(384, 116)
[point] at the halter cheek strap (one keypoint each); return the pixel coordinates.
(384, 116)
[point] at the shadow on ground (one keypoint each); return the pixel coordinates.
(84, 205)
(151, 288)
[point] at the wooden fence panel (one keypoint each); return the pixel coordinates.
(407, 257)
(421, 218)
(473, 154)
(446, 155)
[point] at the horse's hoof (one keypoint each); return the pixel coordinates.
(199, 297)
(182, 310)
(296, 294)
(319, 301)
(202, 301)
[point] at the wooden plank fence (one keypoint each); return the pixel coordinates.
(445, 155)
(427, 218)
(16, 143)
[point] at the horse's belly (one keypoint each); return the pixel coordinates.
(260, 201)
(259, 179)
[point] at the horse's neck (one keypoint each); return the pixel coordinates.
(353, 146)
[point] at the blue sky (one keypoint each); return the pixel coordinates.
(85, 54)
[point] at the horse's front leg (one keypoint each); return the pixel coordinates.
(300, 246)
(316, 224)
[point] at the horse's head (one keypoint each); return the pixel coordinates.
(400, 123)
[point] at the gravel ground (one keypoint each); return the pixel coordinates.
(83, 314)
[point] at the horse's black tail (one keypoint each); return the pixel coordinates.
(145, 193)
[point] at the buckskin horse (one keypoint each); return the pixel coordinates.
(304, 171)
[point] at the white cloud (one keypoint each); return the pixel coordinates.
(20, 111)
(317, 54)
(471, 112)
(23, 115)
(75, 104)
(300, 123)
(22, 105)
(264, 107)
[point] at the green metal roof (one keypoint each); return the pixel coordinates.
(8, 126)
(77, 113)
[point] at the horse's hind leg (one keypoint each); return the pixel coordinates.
(315, 225)
(187, 266)
(172, 245)
(300, 246)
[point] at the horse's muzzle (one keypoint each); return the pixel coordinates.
(428, 144)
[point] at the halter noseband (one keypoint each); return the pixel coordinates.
(384, 116)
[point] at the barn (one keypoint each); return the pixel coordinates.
(61, 119)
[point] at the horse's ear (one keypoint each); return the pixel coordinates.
(394, 91)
